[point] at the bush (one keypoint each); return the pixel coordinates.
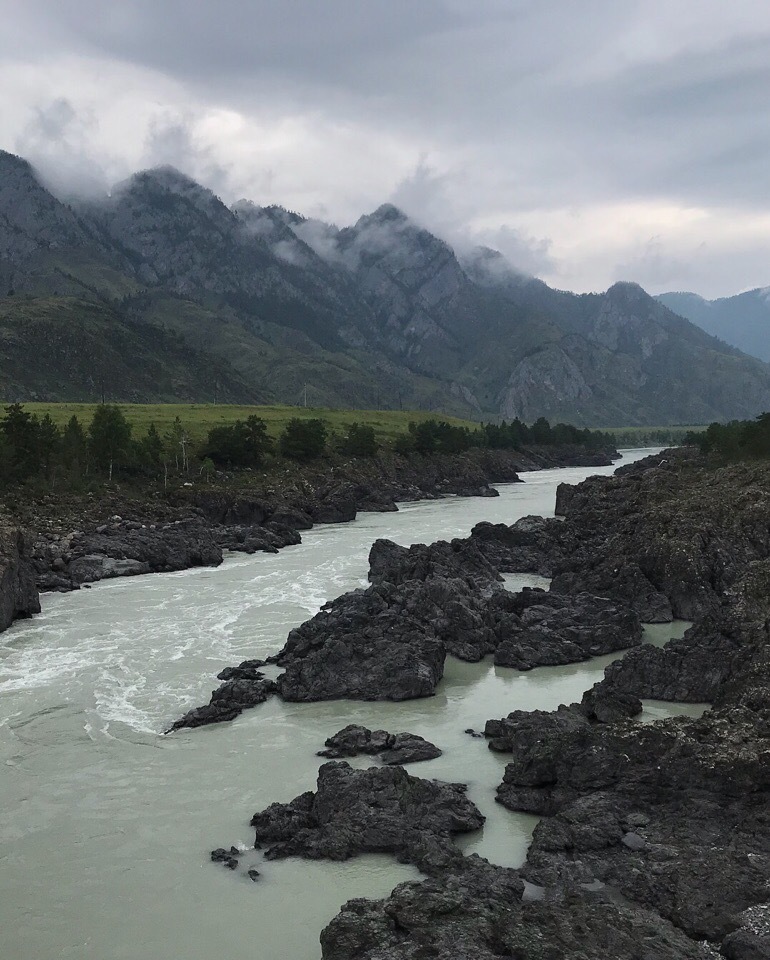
(303, 439)
(360, 441)
(241, 444)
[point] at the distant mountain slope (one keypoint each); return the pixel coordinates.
(187, 298)
(62, 348)
(742, 320)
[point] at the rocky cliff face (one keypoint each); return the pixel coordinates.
(18, 593)
(380, 313)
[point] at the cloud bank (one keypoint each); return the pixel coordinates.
(589, 142)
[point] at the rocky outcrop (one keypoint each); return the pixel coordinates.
(392, 748)
(18, 593)
(379, 810)
(655, 836)
(244, 686)
(389, 642)
(361, 647)
(672, 815)
(483, 912)
(549, 629)
(125, 548)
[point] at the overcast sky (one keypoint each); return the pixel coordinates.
(589, 141)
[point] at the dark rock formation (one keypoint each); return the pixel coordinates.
(379, 810)
(674, 815)
(228, 858)
(656, 837)
(244, 686)
(18, 593)
(361, 647)
(456, 560)
(393, 748)
(531, 545)
(125, 548)
(477, 912)
(389, 641)
(555, 629)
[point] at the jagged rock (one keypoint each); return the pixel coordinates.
(456, 560)
(244, 687)
(522, 730)
(393, 748)
(531, 545)
(228, 858)
(360, 648)
(92, 567)
(378, 810)
(554, 629)
(622, 580)
(476, 912)
(128, 551)
(246, 670)
(18, 593)
(269, 538)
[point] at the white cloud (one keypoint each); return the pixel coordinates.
(579, 138)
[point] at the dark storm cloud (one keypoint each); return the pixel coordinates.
(577, 137)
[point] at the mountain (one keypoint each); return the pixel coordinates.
(742, 320)
(161, 291)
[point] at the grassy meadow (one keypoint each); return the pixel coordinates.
(199, 418)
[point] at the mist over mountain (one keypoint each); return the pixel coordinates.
(742, 320)
(161, 291)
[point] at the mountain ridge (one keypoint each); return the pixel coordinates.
(382, 312)
(742, 320)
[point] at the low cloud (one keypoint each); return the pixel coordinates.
(485, 122)
(57, 141)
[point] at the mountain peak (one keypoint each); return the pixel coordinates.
(10, 161)
(627, 292)
(166, 177)
(388, 212)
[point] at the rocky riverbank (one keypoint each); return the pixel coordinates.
(655, 840)
(78, 540)
(18, 593)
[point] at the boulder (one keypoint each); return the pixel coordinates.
(393, 748)
(378, 810)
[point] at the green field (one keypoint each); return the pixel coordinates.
(199, 418)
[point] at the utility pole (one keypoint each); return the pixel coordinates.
(305, 396)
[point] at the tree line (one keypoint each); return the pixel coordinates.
(72, 456)
(36, 448)
(438, 436)
(737, 440)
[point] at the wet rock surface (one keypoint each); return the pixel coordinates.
(389, 642)
(554, 629)
(392, 748)
(378, 810)
(477, 912)
(655, 840)
(18, 592)
(244, 686)
(125, 548)
(363, 646)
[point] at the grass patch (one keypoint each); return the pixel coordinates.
(199, 418)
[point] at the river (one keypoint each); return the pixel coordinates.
(106, 825)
